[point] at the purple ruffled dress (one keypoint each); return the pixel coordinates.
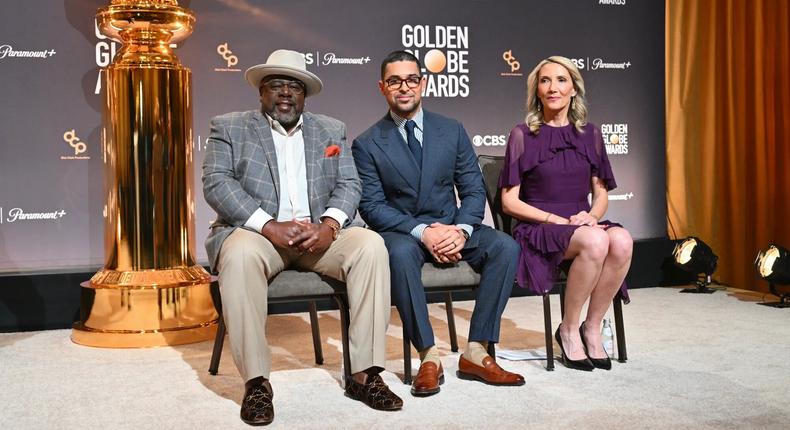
(554, 169)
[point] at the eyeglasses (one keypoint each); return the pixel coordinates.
(276, 86)
(395, 83)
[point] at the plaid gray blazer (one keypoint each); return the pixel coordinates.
(240, 171)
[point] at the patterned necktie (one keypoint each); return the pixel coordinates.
(414, 145)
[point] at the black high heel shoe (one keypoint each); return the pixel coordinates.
(584, 364)
(601, 363)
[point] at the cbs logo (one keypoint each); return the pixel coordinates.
(489, 140)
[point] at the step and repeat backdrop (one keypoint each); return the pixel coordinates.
(478, 52)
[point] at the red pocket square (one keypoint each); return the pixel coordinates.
(331, 151)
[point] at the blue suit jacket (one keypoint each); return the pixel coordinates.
(396, 198)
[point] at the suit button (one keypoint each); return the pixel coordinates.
(443, 213)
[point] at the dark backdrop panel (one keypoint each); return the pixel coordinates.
(51, 158)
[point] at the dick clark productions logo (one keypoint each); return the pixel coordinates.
(511, 61)
(70, 137)
(224, 51)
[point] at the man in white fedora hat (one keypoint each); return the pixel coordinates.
(284, 186)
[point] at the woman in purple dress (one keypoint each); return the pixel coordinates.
(553, 162)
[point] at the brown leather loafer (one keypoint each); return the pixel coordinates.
(490, 373)
(374, 393)
(256, 407)
(428, 379)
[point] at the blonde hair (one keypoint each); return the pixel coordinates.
(577, 113)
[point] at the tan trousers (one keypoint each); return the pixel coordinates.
(247, 261)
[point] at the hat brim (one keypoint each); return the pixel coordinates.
(255, 74)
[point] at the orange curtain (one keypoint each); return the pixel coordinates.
(728, 129)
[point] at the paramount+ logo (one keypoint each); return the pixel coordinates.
(444, 51)
(18, 214)
(8, 51)
(489, 140)
(330, 58)
(600, 64)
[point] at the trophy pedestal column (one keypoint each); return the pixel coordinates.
(150, 292)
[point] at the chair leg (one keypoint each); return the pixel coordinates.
(547, 330)
(319, 352)
(345, 318)
(219, 341)
(562, 301)
(406, 358)
(622, 354)
(448, 303)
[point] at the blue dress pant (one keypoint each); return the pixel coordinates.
(491, 253)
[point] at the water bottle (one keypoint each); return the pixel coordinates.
(608, 338)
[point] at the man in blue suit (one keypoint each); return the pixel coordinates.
(410, 163)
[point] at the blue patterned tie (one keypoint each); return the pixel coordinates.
(414, 145)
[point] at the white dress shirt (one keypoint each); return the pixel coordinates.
(294, 201)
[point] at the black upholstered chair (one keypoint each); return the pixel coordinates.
(295, 286)
(492, 166)
(444, 278)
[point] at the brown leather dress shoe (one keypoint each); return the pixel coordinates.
(490, 373)
(428, 379)
(374, 393)
(256, 407)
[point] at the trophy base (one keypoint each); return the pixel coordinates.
(87, 336)
(170, 307)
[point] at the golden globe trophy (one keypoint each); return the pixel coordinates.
(150, 291)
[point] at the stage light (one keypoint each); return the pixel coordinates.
(695, 256)
(773, 265)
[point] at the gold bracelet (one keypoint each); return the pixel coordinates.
(334, 225)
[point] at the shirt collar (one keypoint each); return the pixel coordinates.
(400, 121)
(276, 126)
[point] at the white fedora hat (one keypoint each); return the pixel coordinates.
(288, 63)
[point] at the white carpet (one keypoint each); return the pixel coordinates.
(695, 362)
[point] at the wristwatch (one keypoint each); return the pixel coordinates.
(465, 233)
